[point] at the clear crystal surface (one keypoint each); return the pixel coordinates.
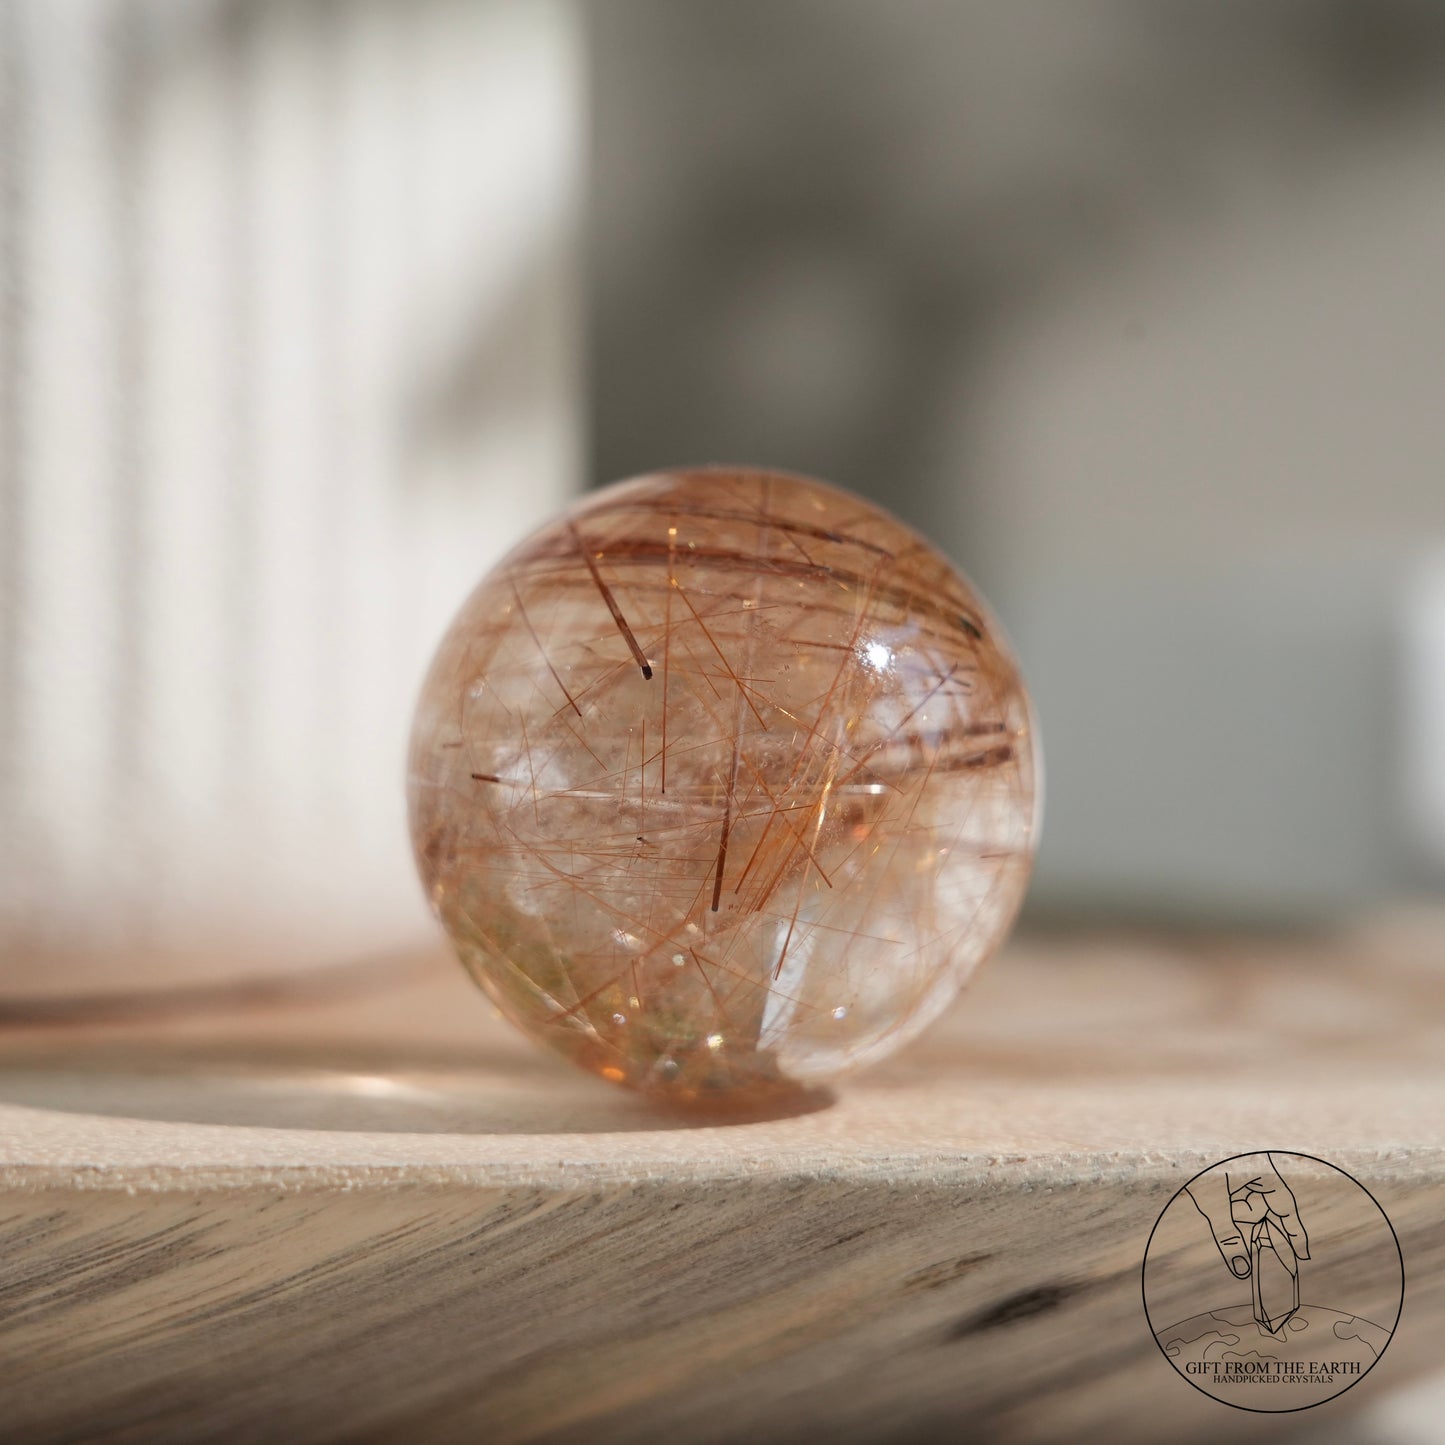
(723, 784)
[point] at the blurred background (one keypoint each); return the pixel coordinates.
(308, 310)
(292, 351)
(1136, 309)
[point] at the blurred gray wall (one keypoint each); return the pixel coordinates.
(1135, 309)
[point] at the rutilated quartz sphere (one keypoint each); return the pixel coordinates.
(723, 784)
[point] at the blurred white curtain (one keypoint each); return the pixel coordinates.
(287, 358)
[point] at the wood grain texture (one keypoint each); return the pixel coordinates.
(383, 1217)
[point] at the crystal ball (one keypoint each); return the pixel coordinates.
(723, 784)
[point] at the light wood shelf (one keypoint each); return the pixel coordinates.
(382, 1216)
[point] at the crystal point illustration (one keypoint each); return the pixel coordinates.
(723, 784)
(1274, 1274)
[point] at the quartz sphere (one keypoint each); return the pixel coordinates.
(723, 783)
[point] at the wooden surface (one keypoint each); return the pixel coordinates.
(378, 1216)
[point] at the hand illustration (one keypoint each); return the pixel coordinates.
(1240, 1194)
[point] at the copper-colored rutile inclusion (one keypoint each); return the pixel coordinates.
(723, 784)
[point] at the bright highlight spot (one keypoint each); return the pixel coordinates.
(877, 655)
